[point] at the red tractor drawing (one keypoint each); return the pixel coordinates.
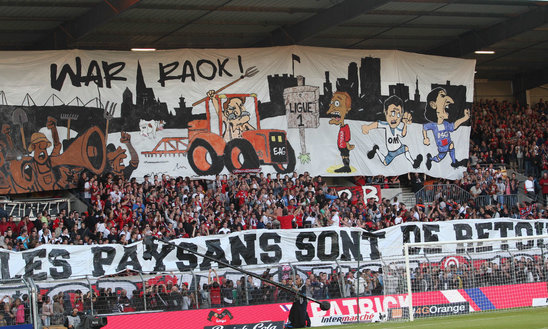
(209, 152)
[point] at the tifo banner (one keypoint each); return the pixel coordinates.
(32, 208)
(203, 112)
(348, 310)
(264, 248)
(354, 193)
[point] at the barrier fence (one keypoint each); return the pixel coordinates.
(466, 276)
(432, 193)
(19, 303)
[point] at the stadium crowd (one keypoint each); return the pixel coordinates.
(124, 211)
(503, 136)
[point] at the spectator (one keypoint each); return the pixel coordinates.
(73, 319)
(187, 297)
(47, 311)
(204, 297)
(58, 311)
(9, 317)
(227, 295)
(530, 188)
(214, 288)
(476, 190)
(123, 301)
(501, 189)
(19, 310)
(544, 187)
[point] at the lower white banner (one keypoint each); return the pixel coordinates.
(257, 248)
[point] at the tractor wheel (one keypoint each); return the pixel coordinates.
(203, 159)
(240, 154)
(291, 161)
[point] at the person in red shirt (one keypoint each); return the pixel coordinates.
(341, 104)
(286, 220)
(214, 289)
(544, 186)
(25, 222)
(3, 225)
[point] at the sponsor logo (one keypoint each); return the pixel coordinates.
(220, 316)
(430, 310)
(260, 325)
(344, 319)
(397, 313)
(540, 301)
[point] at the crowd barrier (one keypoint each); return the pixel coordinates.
(345, 310)
(432, 193)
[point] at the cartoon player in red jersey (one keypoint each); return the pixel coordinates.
(338, 109)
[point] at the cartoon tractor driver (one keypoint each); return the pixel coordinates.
(338, 109)
(395, 128)
(235, 116)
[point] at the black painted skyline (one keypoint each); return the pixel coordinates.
(363, 84)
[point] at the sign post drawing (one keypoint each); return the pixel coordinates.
(303, 111)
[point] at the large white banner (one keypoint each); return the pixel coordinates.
(202, 112)
(258, 248)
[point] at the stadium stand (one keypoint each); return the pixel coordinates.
(508, 157)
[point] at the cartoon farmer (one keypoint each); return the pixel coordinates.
(235, 116)
(116, 156)
(437, 105)
(338, 109)
(395, 128)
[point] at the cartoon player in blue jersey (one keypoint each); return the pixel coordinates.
(436, 111)
(395, 128)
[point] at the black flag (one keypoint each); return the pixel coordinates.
(294, 58)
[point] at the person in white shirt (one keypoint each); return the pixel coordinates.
(224, 229)
(475, 190)
(125, 231)
(335, 218)
(398, 219)
(102, 227)
(395, 129)
(87, 191)
(73, 319)
(116, 195)
(44, 235)
(311, 219)
(530, 187)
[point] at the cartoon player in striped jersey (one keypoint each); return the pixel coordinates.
(395, 128)
(436, 111)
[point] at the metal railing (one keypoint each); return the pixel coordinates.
(139, 292)
(434, 192)
(19, 301)
(431, 193)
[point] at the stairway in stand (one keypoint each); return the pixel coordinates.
(407, 197)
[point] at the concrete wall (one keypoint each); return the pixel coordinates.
(487, 89)
(535, 94)
(502, 90)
